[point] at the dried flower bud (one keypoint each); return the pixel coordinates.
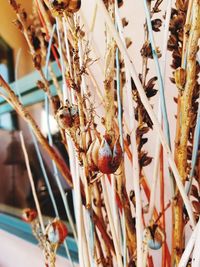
(68, 116)
(40, 85)
(14, 4)
(128, 42)
(109, 158)
(180, 78)
(37, 61)
(29, 215)
(156, 24)
(157, 237)
(124, 22)
(57, 232)
(60, 6)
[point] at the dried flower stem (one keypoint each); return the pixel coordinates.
(186, 33)
(185, 120)
(188, 250)
(111, 223)
(32, 182)
(28, 118)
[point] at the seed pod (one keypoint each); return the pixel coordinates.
(60, 6)
(109, 158)
(157, 237)
(29, 215)
(68, 116)
(57, 232)
(180, 78)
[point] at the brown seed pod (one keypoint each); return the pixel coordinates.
(109, 158)
(29, 215)
(68, 116)
(60, 6)
(57, 232)
(157, 237)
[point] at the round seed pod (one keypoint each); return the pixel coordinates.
(29, 215)
(157, 237)
(68, 116)
(109, 158)
(60, 6)
(57, 232)
(64, 117)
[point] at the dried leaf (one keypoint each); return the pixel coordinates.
(144, 159)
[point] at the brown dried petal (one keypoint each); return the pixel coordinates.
(142, 130)
(146, 50)
(151, 83)
(172, 42)
(196, 205)
(194, 192)
(40, 85)
(156, 24)
(144, 159)
(19, 25)
(14, 4)
(182, 4)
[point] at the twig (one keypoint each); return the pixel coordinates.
(28, 118)
(114, 235)
(185, 121)
(32, 182)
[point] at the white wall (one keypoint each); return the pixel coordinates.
(15, 252)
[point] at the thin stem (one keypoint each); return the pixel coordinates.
(28, 118)
(32, 182)
(110, 218)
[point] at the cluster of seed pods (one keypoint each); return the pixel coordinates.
(55, 231)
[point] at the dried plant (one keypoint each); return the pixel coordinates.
(116, 226)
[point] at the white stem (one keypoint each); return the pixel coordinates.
(82, 237)
(114, 209)
(111, 223)
(37, 204)
(135, 163)
(145, 247)
(188, 250)
(154, 179)
(149, 109)
(67, 46)
(78, 205)
(158, 144)
(196, 254)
